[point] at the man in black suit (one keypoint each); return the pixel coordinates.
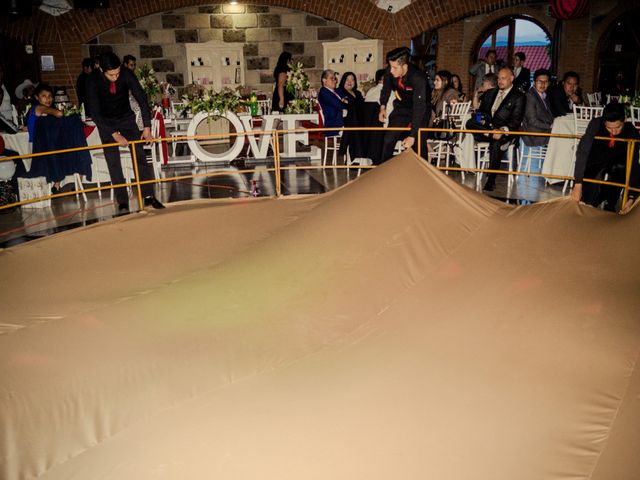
(502, 109)
(522, 75)
(537, 114)
(108, 96)
(563, 96)
(412, 104)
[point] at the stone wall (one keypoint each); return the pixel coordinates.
(265, 31)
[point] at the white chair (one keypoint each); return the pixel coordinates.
(155, 148)
(594, 99)
(635, 116)
(399, 148)
(612, 98)
(528, 154)
(581, 118)
(331, 144)
(178, 128)
(482, 161)
(14, 116)
(264, 107)
(442, 149)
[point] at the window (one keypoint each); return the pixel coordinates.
(517, 34)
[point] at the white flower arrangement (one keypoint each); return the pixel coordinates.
(148, 81)
(297, 79)
(213, 102)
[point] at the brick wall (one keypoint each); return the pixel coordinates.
(579, 39)
(158, 39)
(460, 23)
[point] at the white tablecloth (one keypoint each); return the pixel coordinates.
(559, 158)
(19, 142)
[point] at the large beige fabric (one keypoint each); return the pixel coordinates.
(399, 327)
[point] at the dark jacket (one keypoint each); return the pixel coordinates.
(594, 155)
(81, 91)
(332, 109)
(537, 118)
(559, 102)
(110, 110)
(511, 110)
(413, 98)
(523, 81)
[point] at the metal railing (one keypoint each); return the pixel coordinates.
(277, 169)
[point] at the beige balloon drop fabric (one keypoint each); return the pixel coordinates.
(402, 326)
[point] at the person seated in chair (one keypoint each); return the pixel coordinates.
(490, 81)
(503, 109)
(564, 95)
(537, 114)
(599, 158)
(331, 102)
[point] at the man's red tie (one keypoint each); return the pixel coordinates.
(112, 88)
(612, 142)
(400, 84)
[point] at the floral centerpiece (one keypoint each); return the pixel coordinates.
(212, 102)
(71, 109)
(297, 80)
(630, 101)
(298, 85)
(147, 77)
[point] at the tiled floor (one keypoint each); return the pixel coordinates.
(25, 224)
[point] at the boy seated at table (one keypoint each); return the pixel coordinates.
(50, 130)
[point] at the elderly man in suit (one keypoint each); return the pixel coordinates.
(537, 114)
(522, 81)
(502, 109)
(484, 67)
(563, 96)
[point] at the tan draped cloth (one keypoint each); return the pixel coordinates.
(402, 326)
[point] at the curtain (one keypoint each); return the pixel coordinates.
(569, 9)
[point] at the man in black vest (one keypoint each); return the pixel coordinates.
(597, 158)
(412, 104)
(108, 97)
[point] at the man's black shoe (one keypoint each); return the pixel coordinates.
(490, 186)
(153, 202)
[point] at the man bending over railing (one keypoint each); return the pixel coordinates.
(597, 158)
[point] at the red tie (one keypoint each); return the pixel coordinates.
(112, 88)
(400, 84)
(612, 142)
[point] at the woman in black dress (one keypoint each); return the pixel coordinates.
(280, 96)
(352, 140)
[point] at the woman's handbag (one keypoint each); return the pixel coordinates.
(444, 122)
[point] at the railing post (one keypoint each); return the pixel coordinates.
(630, 148)
(420, 142)
(276, 159)
(134, 158)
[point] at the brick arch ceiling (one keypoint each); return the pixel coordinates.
(80, 26)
